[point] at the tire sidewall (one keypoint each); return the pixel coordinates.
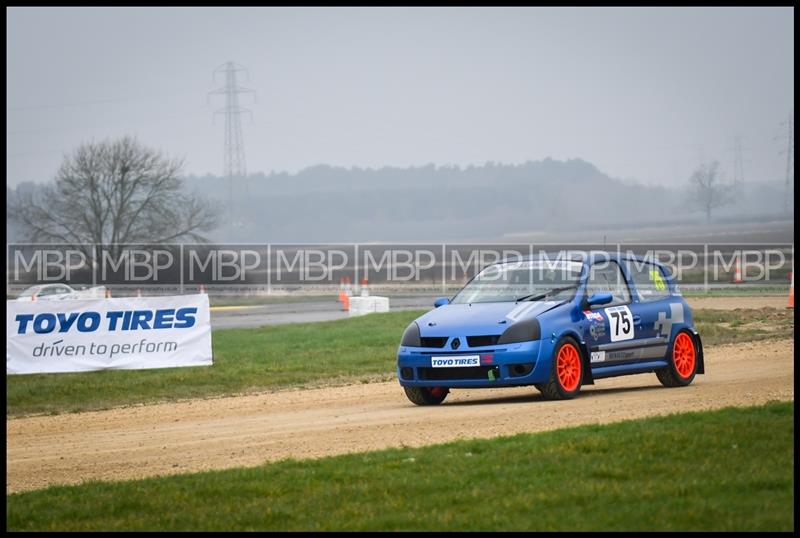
(423, 396)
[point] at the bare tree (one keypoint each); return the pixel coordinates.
(707, 190)
(111, 193)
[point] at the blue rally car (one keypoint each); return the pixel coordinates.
(556, 324)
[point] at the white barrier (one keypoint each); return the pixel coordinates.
(129, 333)
(367, 305)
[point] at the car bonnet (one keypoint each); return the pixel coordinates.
(479, 318)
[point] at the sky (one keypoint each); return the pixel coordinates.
(643, 93)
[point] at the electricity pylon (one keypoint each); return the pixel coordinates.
(234, 163)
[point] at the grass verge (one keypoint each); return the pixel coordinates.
(361, 349)
(730, 469)
(743, 325)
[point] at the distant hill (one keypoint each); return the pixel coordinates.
(448, 203)
(431, 203)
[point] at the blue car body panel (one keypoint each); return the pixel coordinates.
(476, 327)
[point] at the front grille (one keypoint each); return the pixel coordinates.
(467, 372)
(481, 341)
(433, 341)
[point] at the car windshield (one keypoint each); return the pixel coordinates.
(522, 281)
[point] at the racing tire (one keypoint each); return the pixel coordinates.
(426, 395)
(683, 362)
(566, 372)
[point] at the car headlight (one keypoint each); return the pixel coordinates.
(522, 331)
(411, 336)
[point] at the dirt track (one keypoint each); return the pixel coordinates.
(244, 431)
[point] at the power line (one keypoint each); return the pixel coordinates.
(94, 126)
(70, 105)
(97, 102)
(738, 160)
(234, 162)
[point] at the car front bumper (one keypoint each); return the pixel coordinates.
(501, 365)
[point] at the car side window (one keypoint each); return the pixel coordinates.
(608, 277)
(649, 281)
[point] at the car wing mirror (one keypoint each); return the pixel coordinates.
(441, 301)
(602, 297)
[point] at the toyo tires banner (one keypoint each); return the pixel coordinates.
(98, 334)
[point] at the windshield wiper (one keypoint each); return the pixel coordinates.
(537, 296)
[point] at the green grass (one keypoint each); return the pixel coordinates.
(743, 325)
(353, 350)
(245, 360)
(730, 469)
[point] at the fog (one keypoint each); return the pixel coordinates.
(537, 200)
(640, 96)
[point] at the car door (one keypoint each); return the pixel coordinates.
(612, 332)
(653, 306)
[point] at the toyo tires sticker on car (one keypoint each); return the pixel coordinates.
(621, 323)
(455, 362)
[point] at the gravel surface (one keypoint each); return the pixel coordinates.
(220, 433)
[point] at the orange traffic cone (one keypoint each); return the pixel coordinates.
(341, 291)
(365, 288)
(737, 275)
(791, 292)
(344, 293)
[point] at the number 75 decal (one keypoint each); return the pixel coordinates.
(621, 322)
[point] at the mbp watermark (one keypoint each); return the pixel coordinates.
(242, 269)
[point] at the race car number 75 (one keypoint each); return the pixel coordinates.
(621, 323)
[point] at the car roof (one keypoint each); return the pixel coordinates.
(39, 287)
(586, 256)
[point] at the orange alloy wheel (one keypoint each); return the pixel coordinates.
(683, 355)
(568, 366)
